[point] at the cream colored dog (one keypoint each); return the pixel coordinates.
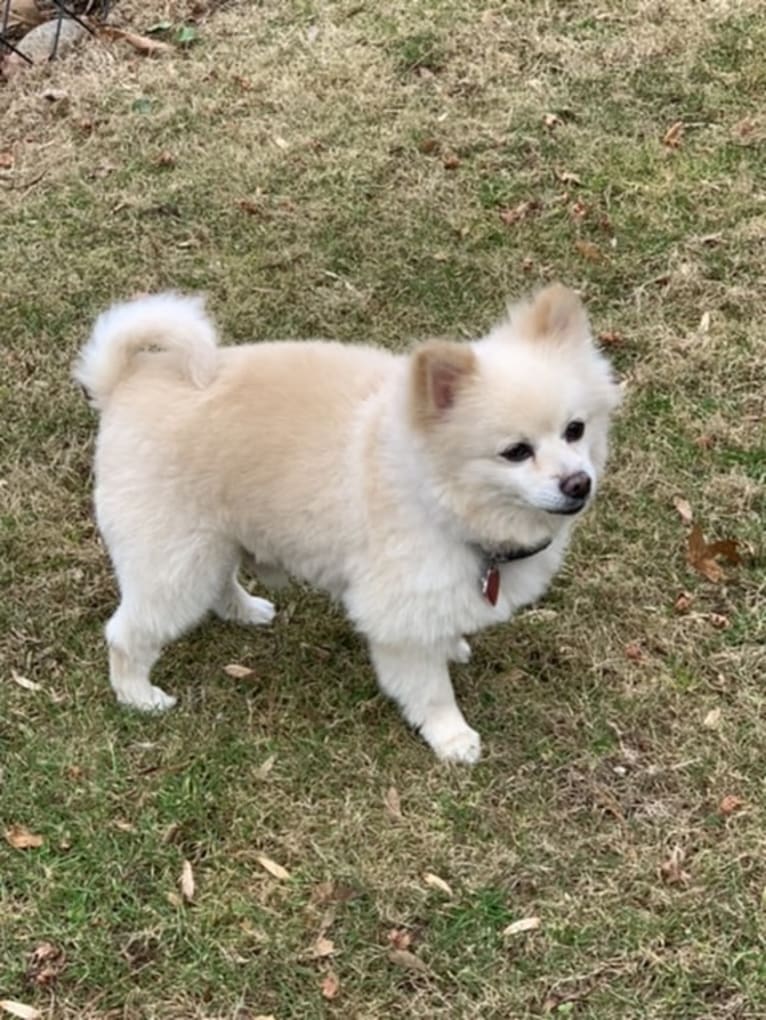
(432, 493)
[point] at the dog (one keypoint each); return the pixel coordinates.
(432, 493)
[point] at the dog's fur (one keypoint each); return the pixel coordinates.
(377, 477)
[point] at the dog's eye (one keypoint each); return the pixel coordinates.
(518, 452)
(574, 431)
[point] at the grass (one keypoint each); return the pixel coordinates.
(340, 170)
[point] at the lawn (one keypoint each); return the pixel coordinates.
(383, 173)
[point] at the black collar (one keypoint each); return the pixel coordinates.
(496, 557)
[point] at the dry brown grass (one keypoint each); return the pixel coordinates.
(340, 170)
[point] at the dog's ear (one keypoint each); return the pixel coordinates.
(440, 370)
(555, 313)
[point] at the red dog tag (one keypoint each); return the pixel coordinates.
(490, 584)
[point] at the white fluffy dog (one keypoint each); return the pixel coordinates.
(432, 493)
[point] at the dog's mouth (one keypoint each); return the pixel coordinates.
(571, 507)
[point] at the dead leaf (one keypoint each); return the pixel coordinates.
(20, 838)
(522, 925)
(141, 43)
(437, 883)
(274, 869)
(404, 958)
(24, 12)
(551, 120)
(7, 159)
(265, 767)
(333, 892)
(237, 671)
(165, 159)
(705, 442)
(393, 804)
(22, 681)
(428, 146)
(589, 250)
(522, 211)
(247, 205)
(673, 135)
(610, 338)
(400, 938)
(729, 804)
(568, 178)
(683, 602)
(702, 555)
(187, 882)
(719, 621)
(579, 210)
(46, 962)
(713, 719)
(634, 652)
(451, 161)
(330, 985)
(670, 871)
(322, 948)
(19, 1010)
(684, 508)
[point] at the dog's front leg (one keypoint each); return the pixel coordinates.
(417, 678)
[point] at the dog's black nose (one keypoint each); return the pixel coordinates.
(576, 486)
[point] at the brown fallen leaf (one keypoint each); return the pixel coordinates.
(713, 719)
(141, 43)
(522, 925)
(265, 767)
(437, 883)
(393, 804)
(428, 146)
(610, 338)
(333, 892)
(523, 211)
(670, 871)
(729, 804)
(20, 838)
(589, 250)
(165, 159)
(330, 985)
(20, 1010)
(404, 958)
(704, 442)
(683, 602)
(24, 12)
(673, 135)
(400, 938)
(552, 120)
(274, 869)
(634, 652)
(237, 671)
(684, 509)
(186, 882)
(719, 621)
(46, 962)
(247, 205)
(579, 210)
(322, 948)
(451, 161)
(7, 159)
(702, 555)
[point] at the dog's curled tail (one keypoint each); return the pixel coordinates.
(173, 323)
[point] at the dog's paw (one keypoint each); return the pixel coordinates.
(461, 651)
(459, 744)
(256, 611)
(152, 699)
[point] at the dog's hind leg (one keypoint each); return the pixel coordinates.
(165, 592)
(240, 606)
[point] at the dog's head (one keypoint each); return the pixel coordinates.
(514, 426)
